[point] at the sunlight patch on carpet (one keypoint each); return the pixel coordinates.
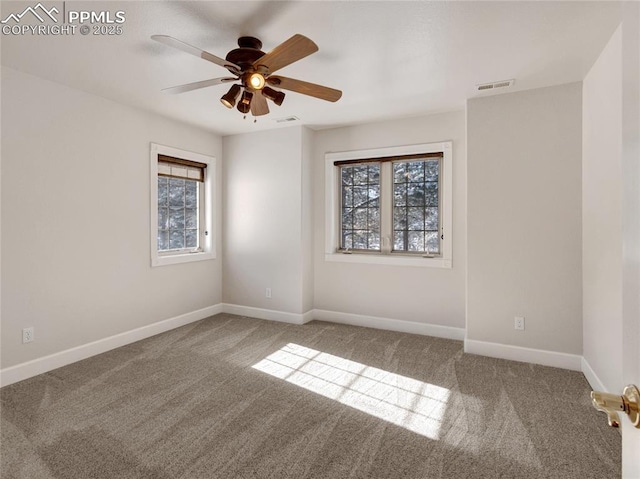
(406, 402)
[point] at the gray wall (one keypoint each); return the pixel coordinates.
(263, 228)
(602, 215)
(307, 220)
(524, 218)
(76, 261)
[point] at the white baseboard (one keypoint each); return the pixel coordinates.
(308, 316)
(592, 377)
(32, 368)
(347, 318)
(269, 314)
(527, 355)
(389, 324)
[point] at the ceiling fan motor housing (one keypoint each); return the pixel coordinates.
(247, 54)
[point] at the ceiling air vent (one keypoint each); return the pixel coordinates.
(494, 85)
(287, 119)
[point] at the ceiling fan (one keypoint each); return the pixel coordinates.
(254, 69)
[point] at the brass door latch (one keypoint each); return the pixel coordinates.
(611, 404)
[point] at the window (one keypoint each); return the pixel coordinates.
(180, 196)
(416, 196)
(390, 205)
(360, 207)
(182, 206)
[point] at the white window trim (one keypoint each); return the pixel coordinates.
(208, 241)
(332, 199)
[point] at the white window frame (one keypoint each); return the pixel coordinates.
(332, 202)
(207, 232)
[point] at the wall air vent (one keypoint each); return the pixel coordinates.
(494, 85)
(287, 119)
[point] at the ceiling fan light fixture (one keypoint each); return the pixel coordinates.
(229, 98)
(256, 81)
(275, 96)
(244, 106)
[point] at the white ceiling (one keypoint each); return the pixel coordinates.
(391, 59)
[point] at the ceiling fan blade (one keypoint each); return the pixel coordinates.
(292, 50)
(185, 47)
(196, 85)
(306, 88)
(259, 105)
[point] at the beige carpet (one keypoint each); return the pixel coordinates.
(232, 397)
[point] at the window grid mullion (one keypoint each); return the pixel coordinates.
(368, 209)
(352, 227)
(200, 223)
(405, 231)
(184, 215)
(386, 207)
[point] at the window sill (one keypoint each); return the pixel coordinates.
(392, 260)
(181, 258)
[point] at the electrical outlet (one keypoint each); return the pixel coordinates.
(267, 293)
(27, 335)
(519, 323)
